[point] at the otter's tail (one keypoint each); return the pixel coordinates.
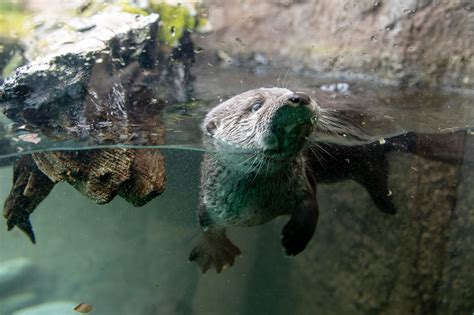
(368, 164)
(447, 147)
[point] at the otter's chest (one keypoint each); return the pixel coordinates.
(234, 199)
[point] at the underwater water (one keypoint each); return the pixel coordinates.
(123, 259)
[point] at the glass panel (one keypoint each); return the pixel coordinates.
(236, 157)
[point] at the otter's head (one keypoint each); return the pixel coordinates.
(271, 120)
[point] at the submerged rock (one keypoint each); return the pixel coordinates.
(135, 174)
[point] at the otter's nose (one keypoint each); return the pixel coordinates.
(299, 98)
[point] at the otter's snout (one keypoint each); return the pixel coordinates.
(299, 99)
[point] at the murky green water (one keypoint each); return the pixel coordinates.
(127, 260)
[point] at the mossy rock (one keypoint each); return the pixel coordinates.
(175, 20)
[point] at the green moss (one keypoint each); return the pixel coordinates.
(14, 24)
(8, 6)
(13, 18)
(175, 20)
(128, 7)
(91, 7)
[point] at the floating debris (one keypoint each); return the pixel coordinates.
(328, 87)
(83, 308)
(382, 141)
(341, 88)
(30, 137)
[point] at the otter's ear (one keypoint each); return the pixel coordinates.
(211, 127)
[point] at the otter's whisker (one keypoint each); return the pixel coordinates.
(254, 162)
(267, 167)
(298, 83)
(284, 79)
(330, 123)
(319, 148)
(262, 163)
(246, 160)
(279, 79)
(247, 165)
(318, 155)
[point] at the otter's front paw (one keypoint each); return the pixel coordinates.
(214, 249)
(295, 236)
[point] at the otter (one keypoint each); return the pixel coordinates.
(255, 170)
(265, 157)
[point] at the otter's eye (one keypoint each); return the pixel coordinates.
(256, 106)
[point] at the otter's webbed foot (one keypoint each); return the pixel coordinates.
(300, 229)
(374, 177)
(214, 249)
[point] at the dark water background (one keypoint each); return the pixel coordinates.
(127, 260)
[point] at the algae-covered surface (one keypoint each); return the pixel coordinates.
(13, 19)
(176, 18)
